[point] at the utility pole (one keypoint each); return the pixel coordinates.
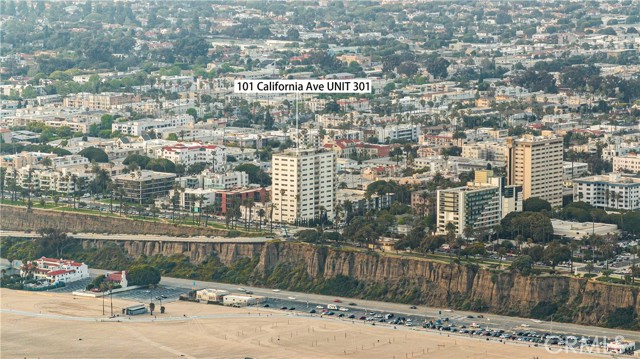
(111, 297)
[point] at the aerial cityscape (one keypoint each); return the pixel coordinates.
(320, 179)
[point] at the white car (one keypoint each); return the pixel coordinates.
(292, 298)
(276, 290)
(319, 307)
(241, 289)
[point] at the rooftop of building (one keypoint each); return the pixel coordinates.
(612, 178)
(143, 175)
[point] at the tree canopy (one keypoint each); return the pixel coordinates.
(143, 274)
(535, 204)
(94, 154)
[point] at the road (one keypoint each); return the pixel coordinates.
(141, 237)
(491, 321)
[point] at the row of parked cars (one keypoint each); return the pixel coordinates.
(523, 336)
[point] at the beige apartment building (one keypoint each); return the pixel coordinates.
(101, 101)
(535, 163)
(628, 163)
(303, 185)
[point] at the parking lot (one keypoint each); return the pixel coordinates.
(161, 294)
(73, 286)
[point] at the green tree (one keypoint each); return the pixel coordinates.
(556, 253)
(522, 264)
(94, 154)
(535, 204)
(143, 274)
(256, 174)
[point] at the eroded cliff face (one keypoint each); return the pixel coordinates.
(228, 253)
(382, 277)
(17, 218)
(457, 286)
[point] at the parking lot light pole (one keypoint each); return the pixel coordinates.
(111, 297)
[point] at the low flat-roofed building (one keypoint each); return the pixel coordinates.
(135, 309)
(239, 300)
(144, 185)
(210, 295)
(577, 230)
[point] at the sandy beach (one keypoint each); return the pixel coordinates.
(48, 325)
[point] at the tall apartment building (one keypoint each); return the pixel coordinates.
(535, 163)
(303, 185)
(475, 205)
(480, 204)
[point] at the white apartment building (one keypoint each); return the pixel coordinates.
(303, 185)
(66, 180)
(188, 155)
(573, 170)
(615, 190)
(68, 161)
(479, 205)
(56, 270)
(227, 180)
(489, 151)
(628, 163)
(406, 132)
(306, 138)
(535, 163)
(189, 198)
(137, 128)
(613, 150)
(22, 159)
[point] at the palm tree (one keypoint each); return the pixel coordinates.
(3, 175)
(121, 194)
(322, 211)
(192, 199)
(29, 187)
(200, 199)
(111, 187)
(208, 209)
(424, 196)
(74, 180)
(14, 185)
(271, 208)
(261, 214)
(250, 204)
(618, 197)
(450, 228)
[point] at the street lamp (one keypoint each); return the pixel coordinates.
(111, 297)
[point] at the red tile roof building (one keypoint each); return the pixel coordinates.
(56, 270)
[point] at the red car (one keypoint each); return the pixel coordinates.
(337, 301)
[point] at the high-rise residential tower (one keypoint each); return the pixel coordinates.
(535, 163)
(303, 185)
